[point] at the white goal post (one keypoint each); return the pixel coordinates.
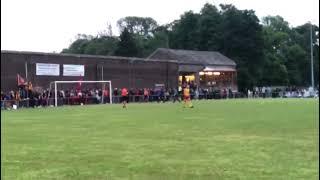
(70, 82)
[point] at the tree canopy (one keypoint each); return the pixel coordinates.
(269, 52)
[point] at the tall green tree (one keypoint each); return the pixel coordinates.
(99, 45)
(266, 53)
(79, 45)
(127, 45)
(289, 47)
(242, 40)
(210, 32)
(159, 39)
(276, 36)
(185, 32)
(138, 25)
(296, 63)
(301, 36)
(104, 45)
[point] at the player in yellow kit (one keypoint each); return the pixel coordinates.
(186, 97)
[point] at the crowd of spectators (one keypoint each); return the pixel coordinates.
(284, 92)
(26, 96)
(34, 98)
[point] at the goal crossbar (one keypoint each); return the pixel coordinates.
(69, 82)
(81, 82)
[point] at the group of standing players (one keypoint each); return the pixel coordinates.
(186, 97)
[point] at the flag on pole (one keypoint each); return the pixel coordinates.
(20, 80)
(79, 84)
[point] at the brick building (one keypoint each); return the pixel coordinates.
(122, 71)
(205, 68)
(165, 66)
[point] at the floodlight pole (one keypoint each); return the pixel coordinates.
(311, 54)
(103, 86)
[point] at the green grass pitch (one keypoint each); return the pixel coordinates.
(219, 139)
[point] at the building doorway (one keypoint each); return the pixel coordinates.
(186, 78)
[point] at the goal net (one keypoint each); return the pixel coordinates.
(80, 92)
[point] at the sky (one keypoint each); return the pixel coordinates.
(51, 25)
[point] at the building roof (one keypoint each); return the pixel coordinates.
(192, 57)
(87, 56)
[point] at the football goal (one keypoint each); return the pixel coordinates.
(73, 88)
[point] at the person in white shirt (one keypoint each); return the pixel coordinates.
(263, 92)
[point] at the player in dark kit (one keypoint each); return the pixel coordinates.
(124, 97)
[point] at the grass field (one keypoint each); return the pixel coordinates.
(224, 139)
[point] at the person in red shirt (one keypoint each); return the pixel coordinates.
(106, 96)
(124, 97)
(146, 94)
